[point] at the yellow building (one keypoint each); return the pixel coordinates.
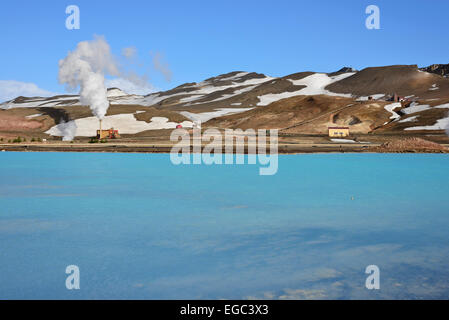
(335, 132)
(111, 134)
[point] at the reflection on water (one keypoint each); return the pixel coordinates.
(139, 227)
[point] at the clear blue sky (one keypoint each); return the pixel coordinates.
(200, 38)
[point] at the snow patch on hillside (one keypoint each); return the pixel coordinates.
(205, 88)
(441, 124)
(206, 116)
(191, 98)
(415, 107)
(390, 107)
(234, 77)
(227, 96)
(33, 115)
(117, 96)
(314, 85)
(410, 119)
(115, 92)
(125, 123)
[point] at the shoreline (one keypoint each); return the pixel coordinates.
(166, 149)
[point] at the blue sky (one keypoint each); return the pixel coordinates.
(199, 39)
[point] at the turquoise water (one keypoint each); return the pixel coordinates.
(139, 227)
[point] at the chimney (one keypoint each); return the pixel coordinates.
(100, 130)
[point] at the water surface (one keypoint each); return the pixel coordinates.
(139, 227)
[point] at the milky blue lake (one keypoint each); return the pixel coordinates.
(139, 227)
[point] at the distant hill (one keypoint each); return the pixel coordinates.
(302, 102)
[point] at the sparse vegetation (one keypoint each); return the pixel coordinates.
(33, 139)
(93, 140)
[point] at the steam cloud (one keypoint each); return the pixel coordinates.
(86, 67)
(66, 130)
(129, 52)
(162, 66)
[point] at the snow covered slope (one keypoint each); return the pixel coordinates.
(346, 97)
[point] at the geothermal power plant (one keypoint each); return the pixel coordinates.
(107, 134)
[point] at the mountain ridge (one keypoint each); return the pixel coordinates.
(264, 101)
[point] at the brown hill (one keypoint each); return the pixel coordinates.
(431, 112)
(309, 114)
(17, 121)
(401, 79)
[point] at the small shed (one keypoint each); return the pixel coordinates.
(338, 132)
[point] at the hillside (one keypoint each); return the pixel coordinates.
(299, 103)
(406, 81)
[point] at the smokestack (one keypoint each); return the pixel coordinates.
(100, 130)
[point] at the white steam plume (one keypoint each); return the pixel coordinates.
(161, 66)
(66, 130)
(86, 67)
(129, 52)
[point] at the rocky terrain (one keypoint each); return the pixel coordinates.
(440, 69)
(303, 103)
(410, 145)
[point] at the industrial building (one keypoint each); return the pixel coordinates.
(109, 134)
(338, 132)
